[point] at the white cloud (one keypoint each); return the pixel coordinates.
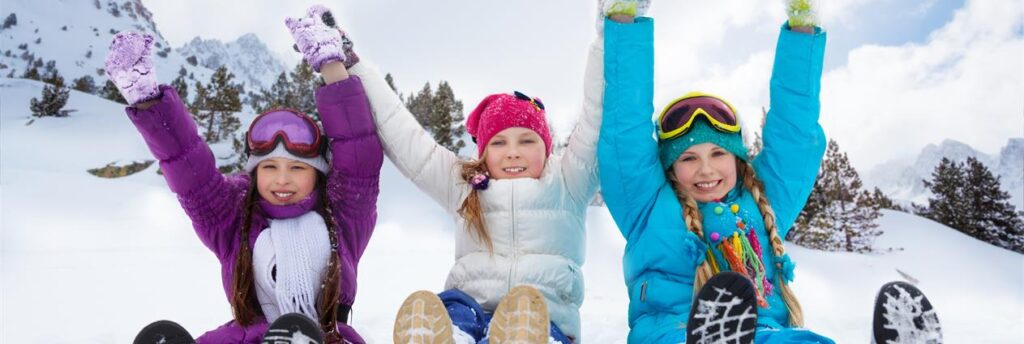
(964, 83)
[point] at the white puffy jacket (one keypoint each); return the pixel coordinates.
(536, 225)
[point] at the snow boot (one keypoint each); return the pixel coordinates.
(521, 318)
(725, 311)
(423, 319)
(163, 332)
(904, 315)
(293, 328)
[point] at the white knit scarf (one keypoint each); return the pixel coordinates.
(302, 250)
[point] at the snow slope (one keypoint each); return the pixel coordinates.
(91, 260)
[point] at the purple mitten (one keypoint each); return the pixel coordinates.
(130, 67)
(315, 37)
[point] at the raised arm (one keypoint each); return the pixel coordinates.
(356, 156)
(432, 167)
(627, 152)
(579, 162)
(794, 141)
(209, 199)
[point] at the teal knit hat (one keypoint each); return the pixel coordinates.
(700, 132)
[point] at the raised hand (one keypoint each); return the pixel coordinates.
(802, 13)
(130, 67)
(317, 37)
(620, 10)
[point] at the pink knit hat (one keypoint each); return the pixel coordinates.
(501, 111)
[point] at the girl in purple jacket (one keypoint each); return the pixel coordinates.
(290, 231)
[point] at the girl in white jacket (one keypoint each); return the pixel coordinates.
(520, 213)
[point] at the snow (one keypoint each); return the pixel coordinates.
(91, 260)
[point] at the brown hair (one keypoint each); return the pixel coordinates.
(694, 222)
(471, 211)
(243, 303)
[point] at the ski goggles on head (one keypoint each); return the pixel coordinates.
(522, 96)
(298, 132)
(679, 115)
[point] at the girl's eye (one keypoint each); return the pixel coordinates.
(497, 143)
(527, 141)
(717, 153)
(687, 158)
(298, 168)
(269, 167)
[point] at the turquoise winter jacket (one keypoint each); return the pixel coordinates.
(661, 255)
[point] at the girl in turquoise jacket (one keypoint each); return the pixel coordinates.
(692, 203)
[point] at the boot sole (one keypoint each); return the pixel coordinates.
(423, 319)
(521, 318)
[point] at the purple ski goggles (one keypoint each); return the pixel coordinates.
(298, 132)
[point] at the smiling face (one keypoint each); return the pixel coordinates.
(515, 153)
(283, 181)
(706, 172)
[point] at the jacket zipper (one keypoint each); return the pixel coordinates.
(515, 243)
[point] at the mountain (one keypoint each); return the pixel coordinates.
(76, 35)
(247, 57)
(901, 179)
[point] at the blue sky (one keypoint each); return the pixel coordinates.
(899, 74)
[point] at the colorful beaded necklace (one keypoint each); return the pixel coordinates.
(742, 252)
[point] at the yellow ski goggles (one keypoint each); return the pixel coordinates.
(676, 119)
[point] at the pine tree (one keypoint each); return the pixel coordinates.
(221, 103)
(883, 201)
(838, 214)
(989, 215)
(391, 83)
(85, 84)
(280, 95)
(55, 96)
(198, 102)
(31, 73)
(181, 86)
(446, 118)
(110, 92)
(304, 85)
(420, 105)
(947, 204)
(758, 144)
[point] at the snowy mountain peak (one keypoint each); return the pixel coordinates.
(76, 35)
(247, 57)
(901, 180)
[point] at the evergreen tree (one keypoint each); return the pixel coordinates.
(989, 215)
(181, 86)
(883, 201)
(420, 105)
(110, 92)
(31, 73)
(280, 95)
(391, 83)
(304, 84)
(446, 118)
(55, 96)
(221, 103)
(838, 214)
(50, 72)
(947, 204)
(198, 102)
(85, 84)
(758, 144)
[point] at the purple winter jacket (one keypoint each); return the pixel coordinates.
(214, 202)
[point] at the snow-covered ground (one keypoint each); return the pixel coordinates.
(91, 260)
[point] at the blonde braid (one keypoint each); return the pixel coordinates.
(694, 222)
(756, 188)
